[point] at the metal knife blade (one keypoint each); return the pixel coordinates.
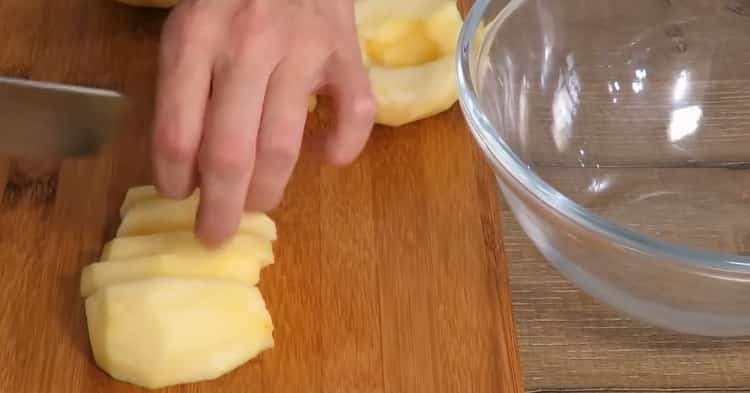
(42, 120)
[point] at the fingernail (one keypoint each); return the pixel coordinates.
(219, 211)
(211, 231)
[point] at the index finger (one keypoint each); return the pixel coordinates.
(227, 151)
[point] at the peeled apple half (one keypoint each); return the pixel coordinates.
(409, 47)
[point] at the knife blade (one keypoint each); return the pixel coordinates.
(44, 120)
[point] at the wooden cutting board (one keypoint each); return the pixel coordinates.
(389, 273)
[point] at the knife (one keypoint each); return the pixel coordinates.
(42, 120)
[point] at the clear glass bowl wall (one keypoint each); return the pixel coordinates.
(619, 132)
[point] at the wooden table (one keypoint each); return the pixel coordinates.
(390, 276)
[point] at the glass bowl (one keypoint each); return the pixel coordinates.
(619, 133)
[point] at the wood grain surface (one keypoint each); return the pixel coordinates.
(569, 342)
(390, 276)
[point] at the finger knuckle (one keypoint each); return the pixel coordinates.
(253, 26)
(228, 161)
(172, 143)
(364, 105)
(191, 24)
(281, 147)
(316, 41)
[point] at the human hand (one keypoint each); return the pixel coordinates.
(232, 96)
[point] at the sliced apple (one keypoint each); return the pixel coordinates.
(409, 48)
(165, 215)
(230, 266)
(184, 244)
(170, 331)
(137, 195)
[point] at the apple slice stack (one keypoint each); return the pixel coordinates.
(162, 309)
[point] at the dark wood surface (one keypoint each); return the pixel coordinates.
(389, 274)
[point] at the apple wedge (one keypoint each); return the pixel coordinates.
(137, 195)
(184, 244)
(166, 215)
(226, 265)
(171, 331)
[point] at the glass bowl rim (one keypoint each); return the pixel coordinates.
(502, 157)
